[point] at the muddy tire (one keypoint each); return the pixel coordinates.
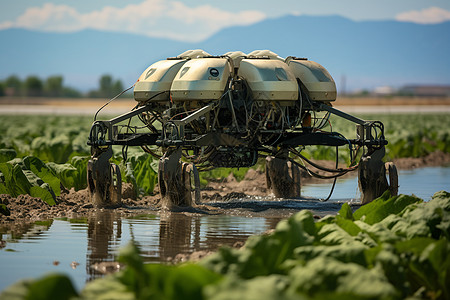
(372, 179)
(98, 185)
(191, 183)
(104, 179)
(282, 177)
(174, 181)
(115, 187)
(392, 173)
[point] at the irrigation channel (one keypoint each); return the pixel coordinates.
(80, 248)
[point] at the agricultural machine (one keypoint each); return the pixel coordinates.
(200, 112)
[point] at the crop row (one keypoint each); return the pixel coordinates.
(58, 144)
(392, 248)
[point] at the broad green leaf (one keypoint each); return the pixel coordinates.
(16, 291)
(378, 232)
(415, 245)
(161, 281)
(43, 193)
(56, 149)
(53, 286)
(342, 253)
(7, 155)
(393, 266)
(187, 280)
(19, 182)
(428, 219)
(3, 189)
(349, 226)
(80, 163)
(139, 171)
(328, 219)
(6, 171)
(43, 172)
(108, 288)
(259, 288)
(67, 173)
(384, 206)
(332, 234)
(324, 274)
(346, 212)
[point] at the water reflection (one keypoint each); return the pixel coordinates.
(162, 237)
(175, 231)
(29, 250)
(104, 227)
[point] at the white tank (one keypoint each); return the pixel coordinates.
(156, 79)
(269, 79)
(266, 54)
(201, 79)
(316, 79)
(197, 53)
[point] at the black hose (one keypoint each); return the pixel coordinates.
(335, 179)
(117, 96)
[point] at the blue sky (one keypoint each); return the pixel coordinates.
(195, 20)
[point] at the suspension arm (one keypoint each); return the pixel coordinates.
(322, 106)
(104, 133)
(367, 134)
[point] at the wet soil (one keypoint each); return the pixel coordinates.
(75, 204)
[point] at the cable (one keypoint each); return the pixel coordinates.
(321, 176)
(321, 167)
(335, 179)
(117, 96)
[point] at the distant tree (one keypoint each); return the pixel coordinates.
(2, 89)
(108, 87)
(33, 86)
(13, 86)
(71, 93)
(117, 87)
(54, 86)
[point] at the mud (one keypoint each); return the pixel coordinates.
(435, 159)
(75, 204)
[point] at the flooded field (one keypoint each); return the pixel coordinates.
(80, 247)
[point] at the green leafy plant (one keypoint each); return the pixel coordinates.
(366, 254)
(29, 176)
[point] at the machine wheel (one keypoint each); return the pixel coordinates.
(115, 187)
(104, 181)
(283, 177)
(191, 183)
(391, 169)
(179, 183)
(372, 179)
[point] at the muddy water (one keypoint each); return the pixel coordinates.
(78, 248)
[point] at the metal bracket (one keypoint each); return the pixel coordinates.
(194, 116)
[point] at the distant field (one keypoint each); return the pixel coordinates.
(362, 101)
(344, 101)
(86, 106)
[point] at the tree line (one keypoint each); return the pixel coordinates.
(53, 86)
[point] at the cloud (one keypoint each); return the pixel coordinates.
(432, 15)
(158, 18)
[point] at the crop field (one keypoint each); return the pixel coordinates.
(392, 248)
(37, 153)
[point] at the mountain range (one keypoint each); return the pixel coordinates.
(363, 54)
